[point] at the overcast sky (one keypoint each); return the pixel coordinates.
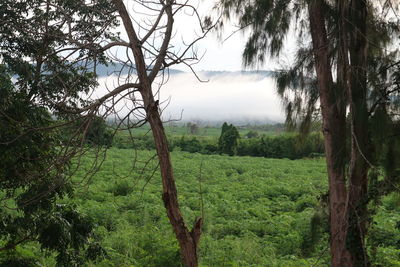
(229, 96)
(232, 97)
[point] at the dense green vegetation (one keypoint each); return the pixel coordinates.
(336, 73)
(228, 140)
(258, 212)
(32, 178)
(58, 208)
(251, 141)
(202, 129)
(252, 216)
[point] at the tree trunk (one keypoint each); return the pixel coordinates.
(359, 166)
(334, 130)
(188, 240)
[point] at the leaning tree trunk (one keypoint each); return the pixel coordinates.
(188, 240)
(334, 130)
(359, 166)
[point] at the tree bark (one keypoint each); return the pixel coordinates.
(334, 130)
(359, 165)
(188, 240)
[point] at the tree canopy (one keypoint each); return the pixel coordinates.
(43, 68)
(344, 72)
(228, 140)
(50, 50)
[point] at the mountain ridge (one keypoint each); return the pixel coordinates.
(103, 70)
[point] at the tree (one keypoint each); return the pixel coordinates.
(228, 140)
(252, 134)
(32, 181)
(193, 128)
(55, 49)
(188, 239)
(37, 73)
(94, 130)
(349, 26)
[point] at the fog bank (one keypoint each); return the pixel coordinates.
(227, 96)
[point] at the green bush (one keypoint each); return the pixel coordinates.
(228, 141)
(122, 188)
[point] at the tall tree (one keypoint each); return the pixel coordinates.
(228, 140)
(54, 50)
(360, 139)
(36, 73)
(334, 125)
(188, 239)
(339, 37)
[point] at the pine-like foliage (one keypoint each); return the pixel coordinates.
(364, 88)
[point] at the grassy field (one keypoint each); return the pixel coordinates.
(257, 211)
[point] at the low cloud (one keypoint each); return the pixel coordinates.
(227, 96)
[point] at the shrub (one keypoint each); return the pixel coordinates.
(122, 189)
(228, 141)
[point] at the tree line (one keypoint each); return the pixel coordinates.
(285, 145)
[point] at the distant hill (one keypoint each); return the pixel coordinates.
(117, 68)
(238, 122)
(265, 73)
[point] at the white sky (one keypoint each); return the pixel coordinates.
(229, 96)
(224, 53)
(232, 97)
(219, 54)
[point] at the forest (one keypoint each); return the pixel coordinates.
(96, 174)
